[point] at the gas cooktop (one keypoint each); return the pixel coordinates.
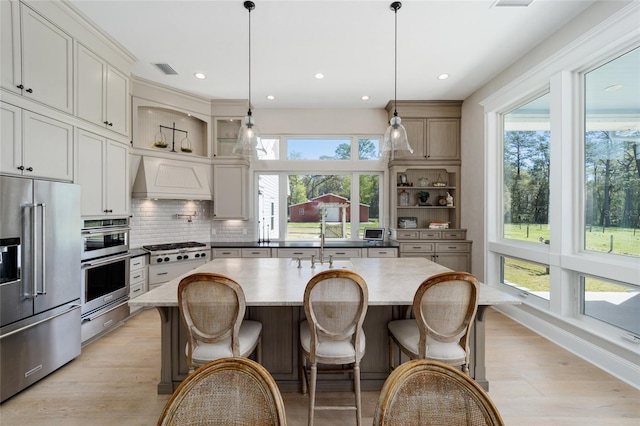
(174, 246)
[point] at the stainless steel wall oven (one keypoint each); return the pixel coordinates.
(105, 275)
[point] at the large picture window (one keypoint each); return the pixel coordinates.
(612, 157)
(526, 172)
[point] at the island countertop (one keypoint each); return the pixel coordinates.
(279, 282)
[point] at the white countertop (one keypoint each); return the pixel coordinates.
(278, 281)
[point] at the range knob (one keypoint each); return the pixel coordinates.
(166, 259)
(197, 254)
(159, 260)
(186, 256)
(180, 257)
(203, 255)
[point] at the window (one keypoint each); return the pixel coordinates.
(613, 303)
(531, 278)
(526, 172)
(318, 149)
(612, 157)
(301, 211)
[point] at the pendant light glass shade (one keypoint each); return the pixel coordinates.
(395, 142)
(249, 144)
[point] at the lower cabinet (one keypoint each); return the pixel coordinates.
(454, 253)
(138, 279)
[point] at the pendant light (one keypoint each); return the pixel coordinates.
(249, 144)
(395, 143)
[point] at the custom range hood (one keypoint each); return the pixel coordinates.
(160, 178)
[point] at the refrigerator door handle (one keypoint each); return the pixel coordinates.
(43, 233)
(34, 252)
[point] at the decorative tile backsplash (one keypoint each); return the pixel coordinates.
(156, 222)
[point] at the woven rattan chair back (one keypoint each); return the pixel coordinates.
(423, 392)
(445, 307)
(335, 303)
(227, 391)
(212, 307)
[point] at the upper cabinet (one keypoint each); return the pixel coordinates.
(433, 130)
(34, 145)
(37, 57)
(226, 131)
(229, 192)
(102, 92)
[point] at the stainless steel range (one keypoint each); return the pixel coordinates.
(168, 261)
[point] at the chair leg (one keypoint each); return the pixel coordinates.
(312, 392)
(356, 385)
(303, 371)
(391, 354)
(259, 350)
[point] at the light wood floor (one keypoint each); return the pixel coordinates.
(532, 382)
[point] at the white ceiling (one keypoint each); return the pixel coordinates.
(351, 42)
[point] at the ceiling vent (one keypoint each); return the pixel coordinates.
(512, 3)
(167, 69)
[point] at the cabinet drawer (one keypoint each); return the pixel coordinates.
(416, 247)
(300, 252)
(137, 276)
(452, 247)
(215, 253)
(408, 235)
(136, 290)
(453, 235)
(138, 263)
(430, 235)
(382, 252)
(259, 252)
(342, 253)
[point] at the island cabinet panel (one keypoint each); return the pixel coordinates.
(280, 341)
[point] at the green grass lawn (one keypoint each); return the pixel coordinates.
(311, 230)
(624, 241)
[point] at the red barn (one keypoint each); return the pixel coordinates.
(334, 205)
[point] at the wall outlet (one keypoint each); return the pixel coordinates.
(213, 232)
(244, 231)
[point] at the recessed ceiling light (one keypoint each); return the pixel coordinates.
(319, 76)
(443, 76)
(200, 75)
(365, 98)
(613, 88)
(271, 97)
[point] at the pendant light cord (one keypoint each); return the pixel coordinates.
(395, 62)
(249, 5)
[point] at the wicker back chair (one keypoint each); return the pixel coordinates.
(335, 304)
(445, 307)
(212, 308)
(227, 391)
(422, 392)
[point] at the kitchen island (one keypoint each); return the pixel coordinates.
(274, 290)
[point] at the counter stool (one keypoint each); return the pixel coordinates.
(335, 304)
(212, 308)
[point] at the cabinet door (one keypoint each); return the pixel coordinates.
(90, 72)
(47, 60)
(443, 139)
(229, 192)
(10, 73)
(454, 261)
(117, 178)
(415, 134)
(90, 169)
(117, 101)
(47, 147)
(11, 142)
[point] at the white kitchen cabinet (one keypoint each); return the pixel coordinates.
(382, 252)
(138, 284)
(229, 192)
(37, 57)
(455, 255)
(102, 92)
(34, 145)
(433, 138)
(341, 253)
(103, 174)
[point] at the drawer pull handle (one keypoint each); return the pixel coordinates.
(453, 248)
(136, 276)
(162, 273)
(340, 252)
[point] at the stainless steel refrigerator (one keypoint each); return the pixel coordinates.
(40, 249)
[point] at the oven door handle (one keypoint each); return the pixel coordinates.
(106, 231)
(105, 261)
(101, 313)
